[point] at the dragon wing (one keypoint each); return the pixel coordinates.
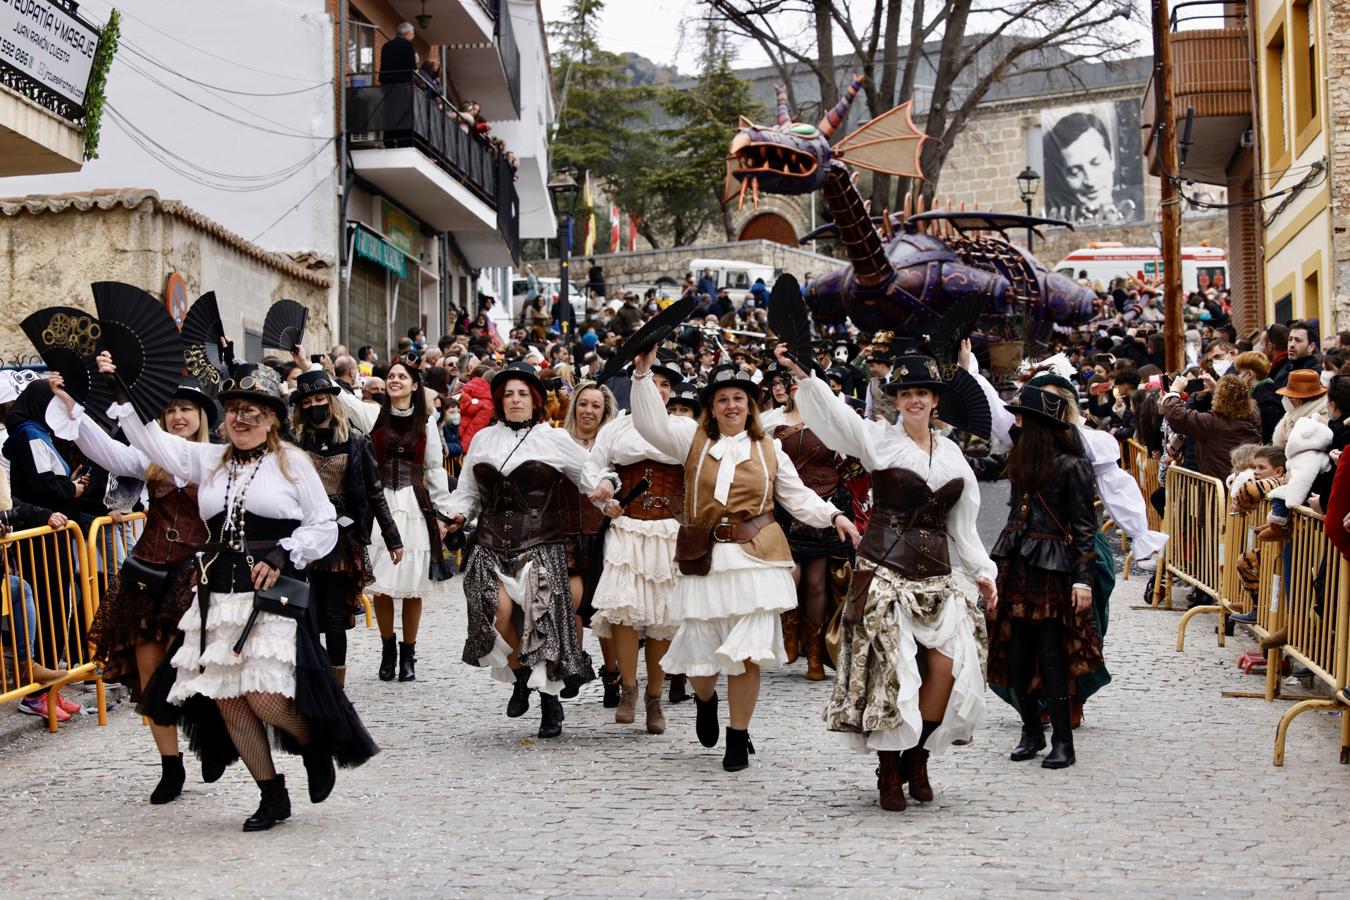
(890, 144)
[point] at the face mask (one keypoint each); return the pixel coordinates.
(315, 415)
(1326, 378)
(1287, 404)
(1221, 367)
(453, 417)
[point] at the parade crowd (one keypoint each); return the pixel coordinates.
(715, 507)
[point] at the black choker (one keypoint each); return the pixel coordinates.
(253, 454)
(516, 426)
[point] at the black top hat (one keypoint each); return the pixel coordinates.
(727, 375)
(191, 389)
(686, 394)
(880, 356)
(255, 383)
(311, 383)
(914, 372)
(839, 374)
(519, 371)
(1047, 408)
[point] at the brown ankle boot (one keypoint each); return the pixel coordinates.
(889, 785)
(626, 711)
(656, 718)
(815, 653)
(791, 645)
(914, 765)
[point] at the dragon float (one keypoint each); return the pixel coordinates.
(940, 272)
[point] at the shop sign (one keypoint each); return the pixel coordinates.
(377, 250)
(49, 45)
(400, 229)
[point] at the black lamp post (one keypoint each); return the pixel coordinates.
(564, 190)
(1028, 183)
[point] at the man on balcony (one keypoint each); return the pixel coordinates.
(398, 57)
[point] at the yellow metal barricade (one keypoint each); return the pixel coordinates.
(1194, 518)
(1144, 469)
(1241, 553)
(44, 581)
(110, 541)
(1316, 616)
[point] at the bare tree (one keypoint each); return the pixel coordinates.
(968, 46)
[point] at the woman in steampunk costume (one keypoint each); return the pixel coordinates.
(520, 617)
(632, 599)
(345, 461)
(909, 678)
(139, 615)
(734, 560)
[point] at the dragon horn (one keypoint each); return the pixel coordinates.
(784, 117)
(835, 117)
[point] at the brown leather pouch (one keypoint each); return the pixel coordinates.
(857, 595)
(693, 549)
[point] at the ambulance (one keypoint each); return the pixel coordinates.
(1202, 267)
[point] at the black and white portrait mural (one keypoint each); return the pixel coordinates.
(1094, 168)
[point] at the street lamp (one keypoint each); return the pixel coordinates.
(1027, 184)
(564, 191)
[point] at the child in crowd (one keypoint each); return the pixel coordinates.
(1306, 458)
(1268, 474)
(1243, 458)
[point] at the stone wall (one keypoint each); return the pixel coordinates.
(1338, 104)
(645, 266)
(52, 249)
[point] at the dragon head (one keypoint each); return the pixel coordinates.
(788, 157)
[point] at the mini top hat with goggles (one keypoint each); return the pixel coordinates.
(255, 383)
(686, 394)
(728, 375)
(914, 372)
(311, 383)
(1043, 406)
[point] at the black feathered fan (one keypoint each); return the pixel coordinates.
(145, 344)
(791, 324)
(284, 325)
(654, 332)
(964, 406)
(67, 340)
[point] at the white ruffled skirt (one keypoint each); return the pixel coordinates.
(730, 616)
(637, 584)
(412, 576)
(266, 665)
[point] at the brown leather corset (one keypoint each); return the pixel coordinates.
(908, 528)
(520, 510)
(664, 499)
(815, 463)
(174, 530)
(399, 472)
(579, 514)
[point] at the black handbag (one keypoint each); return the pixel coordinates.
(289, 597)
(147, 578)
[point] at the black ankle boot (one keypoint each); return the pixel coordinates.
(388, 658)
(274, 807)
(679, 688)
(407, 662)
(706, 725)
(322, 775)
(551, 716)
(610, 679)
(739, 748)
(520, 695)
(171, 778)
(1061, 735)
(1033, 732)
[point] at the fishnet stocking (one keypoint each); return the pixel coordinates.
(244, 719)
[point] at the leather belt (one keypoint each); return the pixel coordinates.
(725, 532)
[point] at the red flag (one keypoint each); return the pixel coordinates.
(632, 232)
(613, 228)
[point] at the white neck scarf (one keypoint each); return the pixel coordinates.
(730, 452)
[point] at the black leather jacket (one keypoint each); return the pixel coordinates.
(1055, 528)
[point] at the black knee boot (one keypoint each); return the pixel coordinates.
(1061, 735)
(407, 661)
(1033, 732)
(171, 778)
(551, 716)
(520, 695)
(388, 658)
(274, 807)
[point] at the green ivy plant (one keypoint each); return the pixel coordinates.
(97, 95)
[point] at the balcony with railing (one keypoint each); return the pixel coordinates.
(411, 143)
(1211, 66)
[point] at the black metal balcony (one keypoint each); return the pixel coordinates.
(413, 114)
(506, 46)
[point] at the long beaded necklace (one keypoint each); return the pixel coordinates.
(239, 475)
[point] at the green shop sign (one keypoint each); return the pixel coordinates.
(378, 250)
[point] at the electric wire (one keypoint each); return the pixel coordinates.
(147, 57)
(321, 182)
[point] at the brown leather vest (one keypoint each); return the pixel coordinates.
(908, 528)
(664, 499)
(751, 495)
(174, 530)
(520, 510)
(817, 464)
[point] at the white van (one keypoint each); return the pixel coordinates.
(1202, 267)
(732, 274)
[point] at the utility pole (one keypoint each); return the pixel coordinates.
(1165, 141)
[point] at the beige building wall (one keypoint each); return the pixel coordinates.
(1338, 121)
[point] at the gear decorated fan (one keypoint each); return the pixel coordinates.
(203, 329)
(67, 339)
(144, 342)
(284, 325)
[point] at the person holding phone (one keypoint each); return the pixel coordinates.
(345, 460)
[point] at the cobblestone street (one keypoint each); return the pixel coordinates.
(1173, 794)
